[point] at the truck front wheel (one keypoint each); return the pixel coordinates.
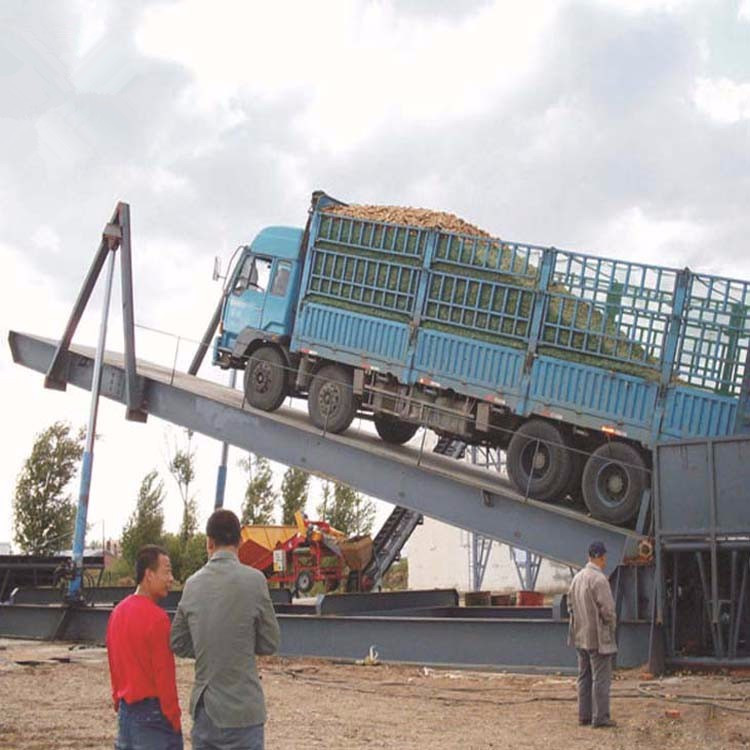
(540, 462)
(330, 401)
(613, 483)
(394, 430)
(266, 379)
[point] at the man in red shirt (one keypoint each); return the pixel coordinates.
(141, 664)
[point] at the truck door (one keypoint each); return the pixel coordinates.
(277, 308)
(244, 306)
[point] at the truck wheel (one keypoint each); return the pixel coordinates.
(613, 482)
(266, 379)
(394, 430)
(304, 581)
(330, 400)
(539, 460)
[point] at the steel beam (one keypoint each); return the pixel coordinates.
(45, 595)
(518, 644)
(442, 488)
(348, 604)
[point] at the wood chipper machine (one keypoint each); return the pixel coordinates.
(299, 556)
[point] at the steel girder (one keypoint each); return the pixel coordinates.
(111, 595)
(521, 644)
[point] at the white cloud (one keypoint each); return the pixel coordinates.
(642, 6)
(46, 238)
(722, 99)
(744, 11)
(636, 236)
(351, 72)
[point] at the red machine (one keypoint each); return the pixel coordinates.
(296, 556)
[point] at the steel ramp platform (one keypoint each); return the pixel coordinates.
(457, 493)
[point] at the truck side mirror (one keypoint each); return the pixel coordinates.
(217, 268)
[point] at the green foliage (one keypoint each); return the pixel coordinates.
(173, 544)
(346, 509)
(194, 556)
(120, 573)
(260, 496)
(185, 558)
(146, 523)
(43, 510)
(182, 467)
(294, 488)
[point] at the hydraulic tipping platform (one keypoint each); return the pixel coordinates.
(443, 488)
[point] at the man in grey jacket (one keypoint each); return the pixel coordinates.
(225, 617)
(592, 631)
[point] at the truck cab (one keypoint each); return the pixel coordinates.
(261, 295)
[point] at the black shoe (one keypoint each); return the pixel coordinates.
(606, 724)
(584, 722)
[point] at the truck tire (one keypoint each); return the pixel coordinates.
(266, 379)
(331, 403)
(539, 460)
(613, 483)
(394, 430)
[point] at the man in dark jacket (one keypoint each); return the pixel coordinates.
(225, 617)
(592, 632)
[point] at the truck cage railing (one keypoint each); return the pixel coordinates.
(657, 322)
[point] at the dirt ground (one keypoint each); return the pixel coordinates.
(56, 696)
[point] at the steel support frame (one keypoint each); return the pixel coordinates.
(479, 555)
(476, 501)
(115, 236)
(700, 522)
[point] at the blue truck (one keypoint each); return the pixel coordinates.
(574, 364)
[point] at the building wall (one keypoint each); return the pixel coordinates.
(439, 558)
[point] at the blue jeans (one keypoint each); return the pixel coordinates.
(142, 726)
(208, 736)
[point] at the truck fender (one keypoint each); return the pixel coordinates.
(250, 340)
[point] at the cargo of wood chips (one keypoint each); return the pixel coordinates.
(467, 260)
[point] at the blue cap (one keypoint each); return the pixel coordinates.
(597, 549)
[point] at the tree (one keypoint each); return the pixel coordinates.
(294, 487)
(194, 556)
(260, 496)
(146, 523)
(346, 509)
(175, 550)
(43, 511)
(182, 468)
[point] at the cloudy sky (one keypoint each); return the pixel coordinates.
(618, 127)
